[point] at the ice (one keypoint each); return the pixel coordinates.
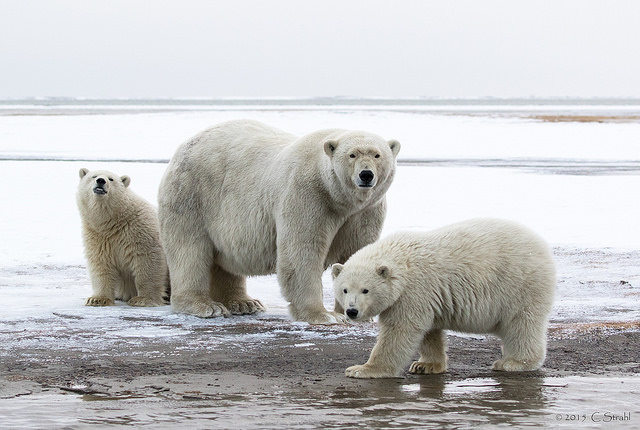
(587, 218)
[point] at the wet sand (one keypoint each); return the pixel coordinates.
(281, 358)
(292, 368)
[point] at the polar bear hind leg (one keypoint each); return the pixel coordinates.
(189, 257)
(231, 291)
(524, 345)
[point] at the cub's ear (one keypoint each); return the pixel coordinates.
(395, 147)
(125, 180)
(336, 269)
(384, 272)
(83, 172)
(330, 147)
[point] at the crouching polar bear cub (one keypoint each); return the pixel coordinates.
(245, 199)
(122, 242)
(478, 276)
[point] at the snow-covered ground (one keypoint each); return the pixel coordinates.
(590, 218)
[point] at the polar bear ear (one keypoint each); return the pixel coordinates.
(384, 272)
(336, 269)
(125, 180)
(83, 172)
(330, 147)
(394, 145)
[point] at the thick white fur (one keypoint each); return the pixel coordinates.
(479, 276)
(122, 242)
(245, 199)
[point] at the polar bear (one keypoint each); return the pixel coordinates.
(478, 276)
(245, 199)
(122, 242)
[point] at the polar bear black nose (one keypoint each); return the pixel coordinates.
(352, 313)
(366, 176)
(100, 181)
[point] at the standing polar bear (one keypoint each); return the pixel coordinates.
(122, 242)
(245, 199)
(478, 276)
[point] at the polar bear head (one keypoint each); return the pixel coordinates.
(101, 182)
(101, 192)
(363, 161)
(364, 290)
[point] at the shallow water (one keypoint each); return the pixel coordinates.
(500, 401)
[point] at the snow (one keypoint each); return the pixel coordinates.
(591, 220)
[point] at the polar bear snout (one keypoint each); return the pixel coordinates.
(352, 313)
(100, 187)
(366, 178)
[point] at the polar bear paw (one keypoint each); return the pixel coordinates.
(326, 318)
(99, 301)
(245, 307)
(513, 365)
(366, 371)
(200, 308)
(422, 368)
(144, 301)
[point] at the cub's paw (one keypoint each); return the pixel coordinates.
(422, 368)
(365, 371)
(512, 365)
(202, 309)
(246, 307)
(145, 301)
(99, 301)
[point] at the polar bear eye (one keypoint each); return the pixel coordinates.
(352, 155)
(344, 291)
(377, 155)
(111, 179)
(365, 291)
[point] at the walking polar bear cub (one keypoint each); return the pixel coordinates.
(245, 199)
(478, 276)
(122, 242)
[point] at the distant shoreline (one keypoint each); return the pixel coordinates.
(537, 109)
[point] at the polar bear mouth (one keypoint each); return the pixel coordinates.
(99, 190)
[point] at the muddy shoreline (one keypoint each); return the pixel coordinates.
(189, 366)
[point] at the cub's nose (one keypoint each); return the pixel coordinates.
(100, 181)
(366, 176)
(352, 313)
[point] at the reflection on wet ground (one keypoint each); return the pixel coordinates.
(439, 401)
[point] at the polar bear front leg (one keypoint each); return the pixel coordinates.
(304, 292)
(301, 252)
(433, 356)
(301, 285)
(391, 353)
(102, 283)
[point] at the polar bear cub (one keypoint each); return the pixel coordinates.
(478, 276)
(122, 242)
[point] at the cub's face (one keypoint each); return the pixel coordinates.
(363, 292)
(362, 161)
(100, 183)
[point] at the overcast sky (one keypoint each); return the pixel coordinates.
(300, 48)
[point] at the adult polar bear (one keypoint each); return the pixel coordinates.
(245, 199)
